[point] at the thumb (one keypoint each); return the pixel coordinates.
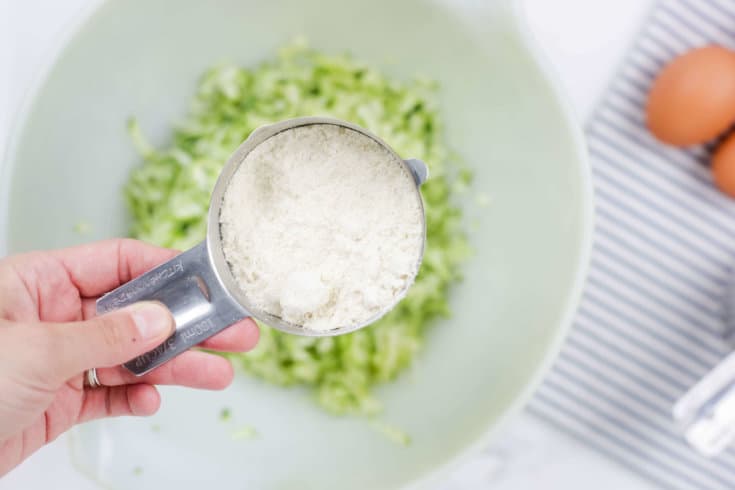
(110, 339)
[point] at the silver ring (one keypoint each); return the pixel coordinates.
(91, 379)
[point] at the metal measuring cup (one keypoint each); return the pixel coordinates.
(198, 287)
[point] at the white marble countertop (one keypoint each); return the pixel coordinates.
(585, 41)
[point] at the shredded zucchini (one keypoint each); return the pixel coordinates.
(168, 196)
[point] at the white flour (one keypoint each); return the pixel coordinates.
(322, 227)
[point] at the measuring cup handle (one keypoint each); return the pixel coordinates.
(189, 287)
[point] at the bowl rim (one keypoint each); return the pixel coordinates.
(517, 20)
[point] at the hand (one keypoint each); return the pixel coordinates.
(49, 336)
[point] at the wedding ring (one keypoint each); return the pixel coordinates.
(91, 379)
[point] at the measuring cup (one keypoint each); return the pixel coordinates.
(198, 286)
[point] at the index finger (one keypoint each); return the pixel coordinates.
(99, 267)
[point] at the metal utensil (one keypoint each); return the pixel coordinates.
(705, 414)
(198, 286)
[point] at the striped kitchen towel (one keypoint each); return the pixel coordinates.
(652, 320)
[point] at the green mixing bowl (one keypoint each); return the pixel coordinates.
(70, 156)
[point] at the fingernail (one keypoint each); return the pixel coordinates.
(152, 319)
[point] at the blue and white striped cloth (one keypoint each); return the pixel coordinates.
(652, 320)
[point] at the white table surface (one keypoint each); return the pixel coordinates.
(584, 39)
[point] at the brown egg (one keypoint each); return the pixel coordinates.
(693, 98)
(723, 166)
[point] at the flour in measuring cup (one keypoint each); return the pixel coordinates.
(322, 226)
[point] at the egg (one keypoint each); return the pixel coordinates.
(692, 100)
(723, 166)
